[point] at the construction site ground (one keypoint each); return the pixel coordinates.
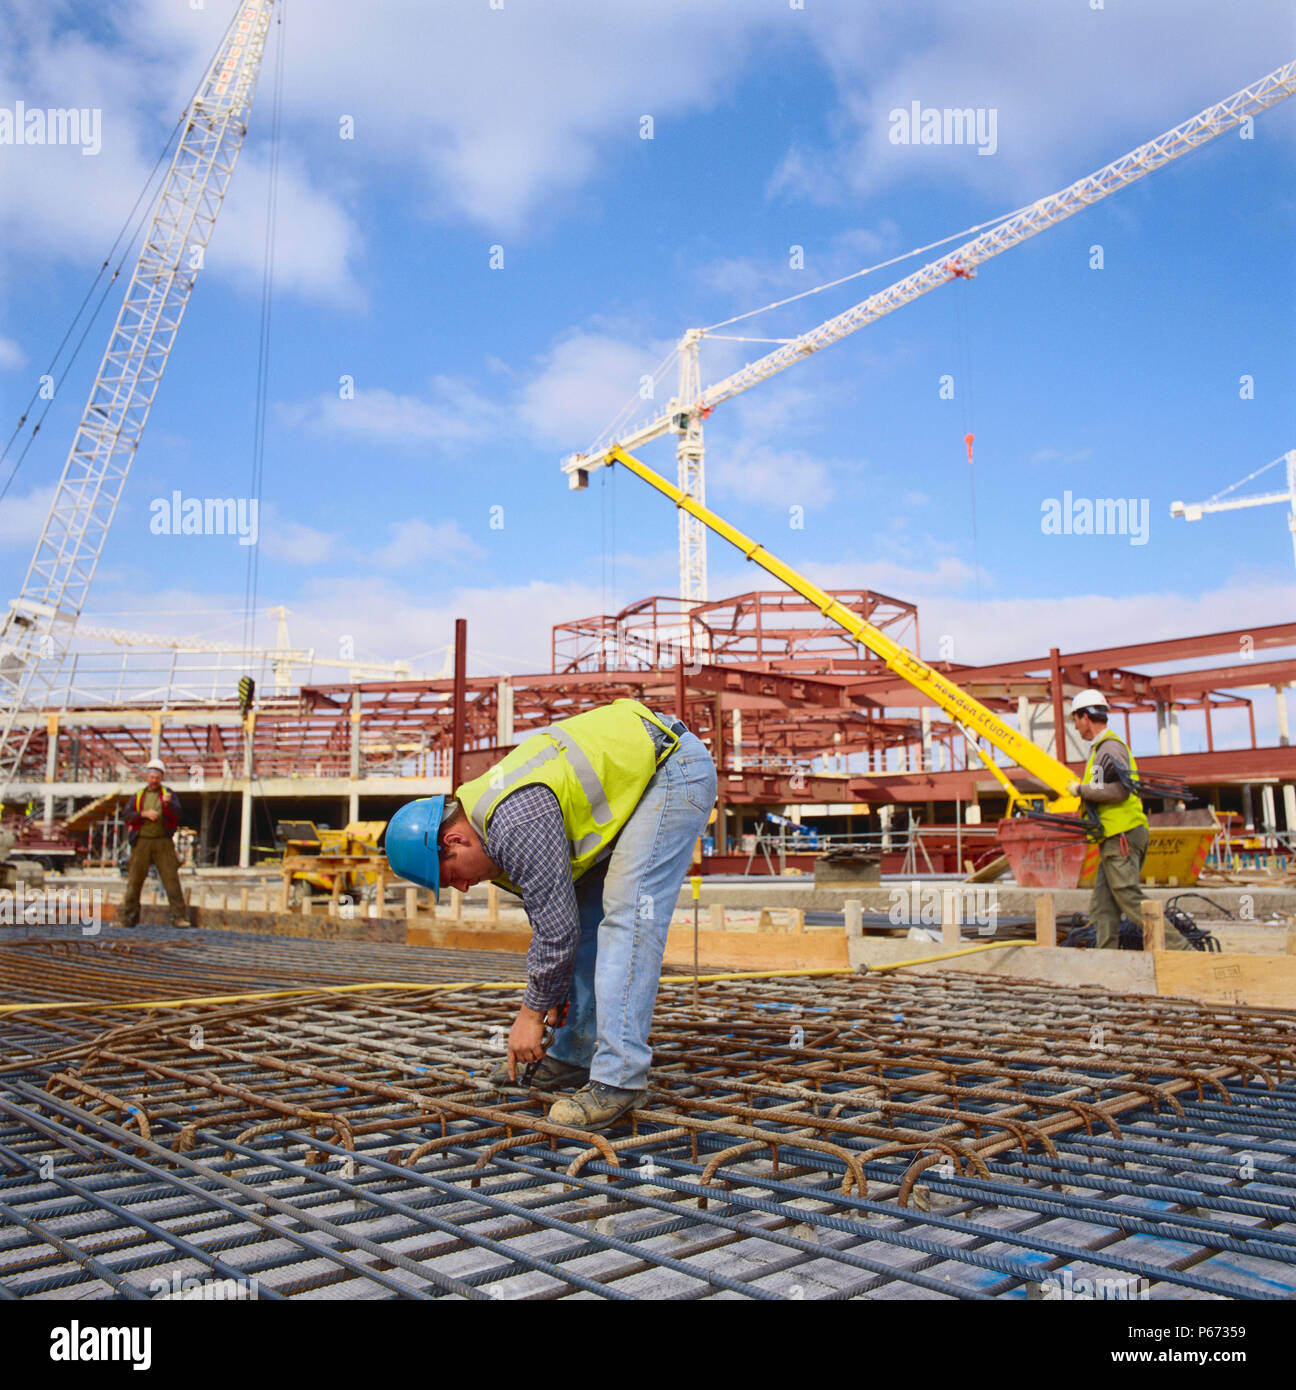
(955, 1136)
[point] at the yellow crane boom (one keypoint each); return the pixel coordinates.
(970, 715)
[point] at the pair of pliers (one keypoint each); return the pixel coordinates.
(545, 1040)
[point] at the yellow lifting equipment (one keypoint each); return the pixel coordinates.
(973, 718)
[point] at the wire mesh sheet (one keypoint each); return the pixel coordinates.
(886, 1137)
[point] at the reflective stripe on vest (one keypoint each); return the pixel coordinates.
(597, 764)
(1116, 816)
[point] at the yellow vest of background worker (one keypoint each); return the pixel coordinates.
(1117, 817)
(597, 764)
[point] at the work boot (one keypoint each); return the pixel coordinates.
(595, 1106)
(550, 1075)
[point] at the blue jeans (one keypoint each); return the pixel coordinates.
(625, 904)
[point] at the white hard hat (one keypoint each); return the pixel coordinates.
(1089, 699)
(154, 765)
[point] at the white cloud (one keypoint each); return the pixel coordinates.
(749, 280)
(1006, 629)
(452, 413)
(509, 626)
(21, 517)
(58, 201)
(317, 244)
(777, 477)
(584, 381)
(296, 544)
(11, 355)
(1061, 456)
(489, 114)
(414, 542)
(1072, 87)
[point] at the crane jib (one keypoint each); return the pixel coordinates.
(970, 714)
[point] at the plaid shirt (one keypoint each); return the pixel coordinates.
(527, 839)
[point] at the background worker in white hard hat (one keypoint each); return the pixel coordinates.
(1116, 891)
(592, 823)
(151, 820)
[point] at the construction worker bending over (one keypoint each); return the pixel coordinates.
(592, 823)
(1116, 891)
(151, 821)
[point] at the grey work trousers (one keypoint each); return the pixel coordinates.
(1117, 892)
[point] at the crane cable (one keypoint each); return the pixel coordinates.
(141, 198)
(263, 379)
(965, 362)
(263, 344)
(146, 201)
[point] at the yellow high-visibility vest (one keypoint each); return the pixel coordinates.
(597, 764)
(1116, 816)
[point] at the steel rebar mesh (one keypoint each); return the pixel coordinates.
(951, 1135)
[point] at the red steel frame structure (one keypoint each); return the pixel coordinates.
(791, 709)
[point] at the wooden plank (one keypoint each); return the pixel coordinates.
(1045, 921)
(951, 916)
(853, 912)
(754, 950)
(716, 950)
(1228, 977)
(1154, 937)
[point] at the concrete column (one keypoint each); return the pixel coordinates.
(1268, 815)
(1248, 812)
(736, 756)
(353, 797)
(1280, 708)
(155, 738)
(1289, 808)
(245, 827)
(925, 717)
(884, 818)
(1163, 734)
(245, 810)
(1175, 746)
(504, 712)
(51, 764)
(202, 852)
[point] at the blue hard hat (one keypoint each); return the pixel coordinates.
(411, 841)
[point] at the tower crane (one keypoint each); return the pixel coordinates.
(281, 658)
(1222, 502)
(40, 623)
(685, 413)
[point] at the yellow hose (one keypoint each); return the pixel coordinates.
(475, 984)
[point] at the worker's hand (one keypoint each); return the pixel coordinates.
(526, 1039)
(149, 815)
(1073, 787)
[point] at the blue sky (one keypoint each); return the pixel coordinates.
(520, 128)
